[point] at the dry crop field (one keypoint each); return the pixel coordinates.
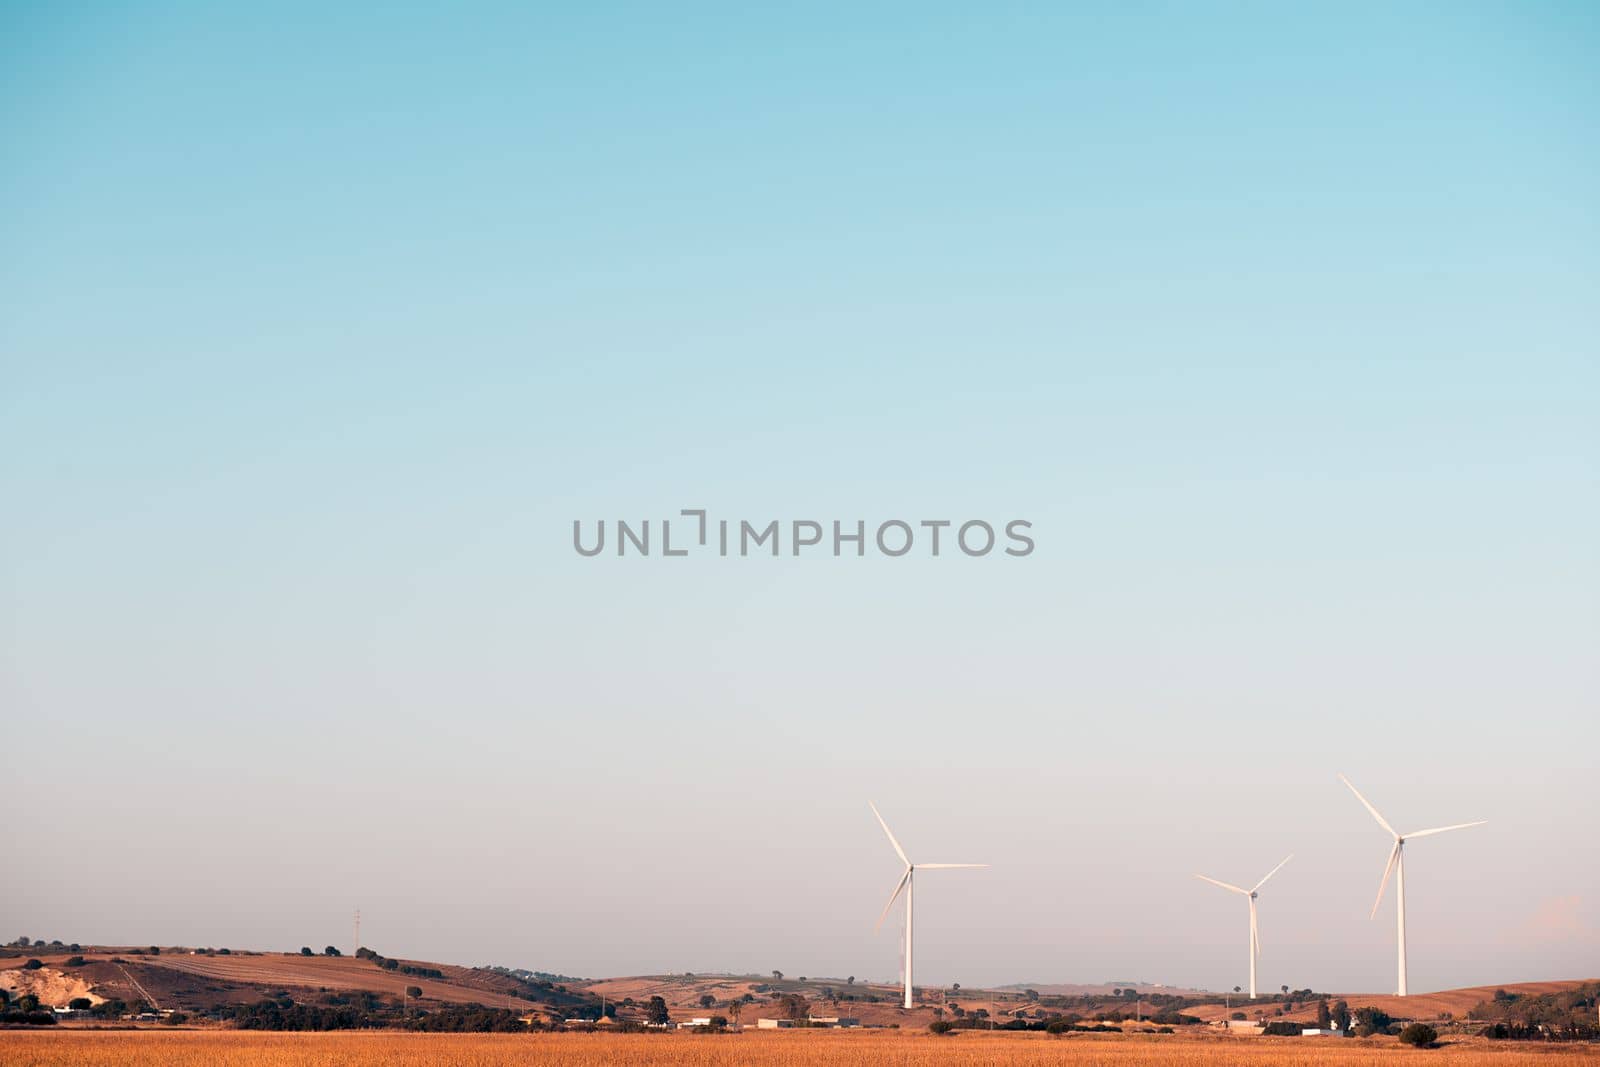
(147, 1048)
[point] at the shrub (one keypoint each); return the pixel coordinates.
(941, 1026)
(305, 950)
(74, 961)
(32, 965)
(177, 1018)
(1281, 1029)
(1419, 1034)
(80, 1004)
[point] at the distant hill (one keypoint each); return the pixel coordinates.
(199, 982)
(191, 981)
(1101, 989)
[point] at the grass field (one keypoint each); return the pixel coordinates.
(238, 1049)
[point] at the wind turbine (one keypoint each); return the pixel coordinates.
(1255, 933)
(1397, 867)
(905, 884)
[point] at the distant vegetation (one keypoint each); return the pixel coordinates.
(395, 965)
(364, 1011)
(1565, 1016)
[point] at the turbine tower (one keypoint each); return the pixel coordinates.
(906, 884)
(1255, 933)
(1397, 867)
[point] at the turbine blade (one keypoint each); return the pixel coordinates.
(904, 878)
(1388, 869)
(950, 866)
(1272, 872)
(898, 850)
(1444, 829)
(1255, 931)
(1224, 885)
(1368, 805)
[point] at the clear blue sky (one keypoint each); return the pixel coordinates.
(318, 328)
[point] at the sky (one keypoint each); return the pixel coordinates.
(319, 328)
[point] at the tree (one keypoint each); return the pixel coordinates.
(1419, 1034)
(413, 991)
(1285, 989)
(1117, 992)
(708, 1001)
(656, 1011)
(735, 1009)
(777, 976)
(1236, 989)
(305, 950)
(1341, 1015)
(1031, 994)
(941, 1026)
(1324, 1017)
(955, 987)
(1371, 1021)
(80, 1004)
(331, 951)
(32, 965)
(851, 980)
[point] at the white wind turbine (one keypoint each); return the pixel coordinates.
(1397, 867)
(905, 884)
(1255, 933)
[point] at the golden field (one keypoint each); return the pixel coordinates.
(148, 1048)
